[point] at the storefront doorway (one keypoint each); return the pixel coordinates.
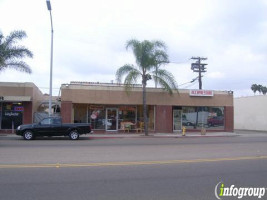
(177, 120)
(112, 119)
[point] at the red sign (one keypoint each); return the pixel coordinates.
(19, 108)
(201, 93)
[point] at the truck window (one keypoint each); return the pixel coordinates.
(56, 121)
(46, 121)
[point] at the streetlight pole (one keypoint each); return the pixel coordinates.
(51, 58)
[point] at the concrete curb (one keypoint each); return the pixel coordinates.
(109, 136)
(156, 135)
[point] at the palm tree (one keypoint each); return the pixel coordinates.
(11, 53)
(259, 88)
(264, 90)
(254, 88)
(149, 55)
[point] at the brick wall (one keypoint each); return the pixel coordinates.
(229, 118)
(163, 119)
(66, 111)
(27, 113)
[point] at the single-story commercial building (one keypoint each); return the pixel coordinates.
(108, 106)
(18, 101)
(21, 103)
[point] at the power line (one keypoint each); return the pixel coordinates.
(193, 80)
(189, 86)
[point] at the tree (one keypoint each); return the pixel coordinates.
(264, 90)
(254, 88)
(149, 55)
(259, 88)
(11, 53)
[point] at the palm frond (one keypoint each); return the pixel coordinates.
(124, 70)
(165, 79)
(136, 47)
(160, 44)
(18, 65)
(131, 79)
(10, 53)
(18, 52)
(14, 36)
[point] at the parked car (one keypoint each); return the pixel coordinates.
(53, 126)
(216, 121)
(185, 122)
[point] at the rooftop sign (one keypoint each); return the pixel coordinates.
(201, 93)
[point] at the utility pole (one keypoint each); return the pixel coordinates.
(200, 68)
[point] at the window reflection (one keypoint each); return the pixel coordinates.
(127, 114)
(208, 117)
(97, 116)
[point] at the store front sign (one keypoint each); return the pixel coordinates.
(11, 114)
(201, 93)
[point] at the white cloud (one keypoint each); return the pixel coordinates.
(216, 75)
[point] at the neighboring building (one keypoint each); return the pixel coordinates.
(251, 113)
(106, 106)
(20, 103)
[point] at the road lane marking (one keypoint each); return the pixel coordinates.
(133, 163)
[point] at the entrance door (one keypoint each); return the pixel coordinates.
(112, 119)
(177, 120)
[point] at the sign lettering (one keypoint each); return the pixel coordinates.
(201, 93)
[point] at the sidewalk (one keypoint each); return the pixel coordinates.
(154, 135)
(163, 135)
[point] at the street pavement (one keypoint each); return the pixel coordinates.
(132, 167)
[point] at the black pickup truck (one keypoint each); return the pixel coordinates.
(52, 126)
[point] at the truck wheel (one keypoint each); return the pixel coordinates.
(74, 135)
(28, 135)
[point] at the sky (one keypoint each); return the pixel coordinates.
(90, 38)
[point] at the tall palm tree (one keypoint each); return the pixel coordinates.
(264, 90)
(259, 88)
(11, 53)
(149, 55)
(254, 88)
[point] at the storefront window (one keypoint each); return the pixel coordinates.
(80, 113)
(11, 115)
(127, 114)
(207, 117)
(177, 118)
(150, 113)
(97, 116)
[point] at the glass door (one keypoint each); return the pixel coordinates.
(177, 120)
(112, 119)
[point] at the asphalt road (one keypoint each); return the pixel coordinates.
(130, 168)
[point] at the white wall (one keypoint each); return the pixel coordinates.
(250, 113)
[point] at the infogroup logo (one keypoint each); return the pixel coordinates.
(239, 192)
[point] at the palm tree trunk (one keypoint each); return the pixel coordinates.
(145, 106)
